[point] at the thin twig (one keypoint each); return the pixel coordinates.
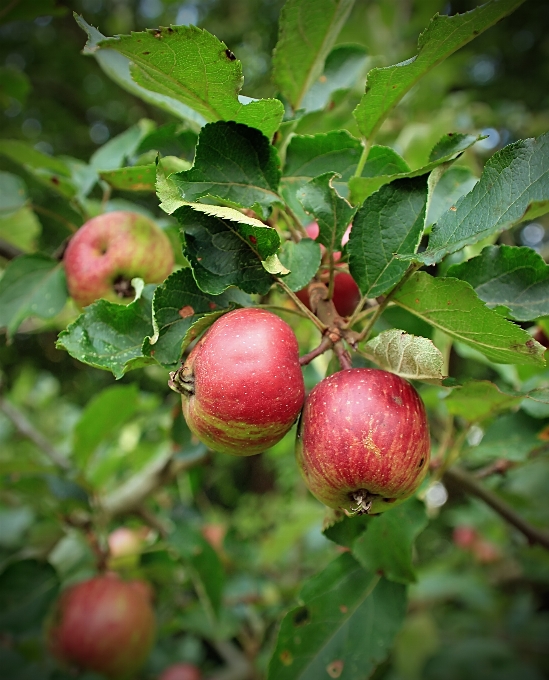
(317, 322)
(471, 485)
(325, 345)
(27, 429)
(366, 146)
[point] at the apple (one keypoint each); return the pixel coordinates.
(125, 546)
(181, 671)
(104, 625)
(363, 440)
(346, 294)
(109, 250)
(242, 386)
(464, 536)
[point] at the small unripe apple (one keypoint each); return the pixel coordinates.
(346, 295)
(181, 671)
(363, 440)
(242, 386)
(109, 250)
(104, 625)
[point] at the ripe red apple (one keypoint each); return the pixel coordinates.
(181, 671)
(109, 250)
(346, 294)
(464, 536)
(104, 625)
(242, 386)
(363, 440)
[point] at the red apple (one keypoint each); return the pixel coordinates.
(242, 386)
(104, 625)
(363, 440)
(109, 250)
(464, 536)
(181, 671)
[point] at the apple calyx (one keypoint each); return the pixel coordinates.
(364, 500)
(182, 382)
(123, 287)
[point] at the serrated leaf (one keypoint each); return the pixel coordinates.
(234, 163)
(506, 276)
(206, 569)
(181, 312)
(386, 546)
(110, 336)
(303, 261)
(225, 253)
(409, 356)
(513, 179)
(454, 183)
(332, 213)
(189, 66)
(386, 86)
(13, 194)
(345, 625)
(453, 307)
(49, 171)
(307, 32)
(106, 412)
(343, 66)
(362, 187)
(479, 399)
(390, 223)
(32, 285)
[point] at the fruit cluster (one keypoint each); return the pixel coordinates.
(362, 439)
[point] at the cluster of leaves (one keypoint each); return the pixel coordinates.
(238, 213)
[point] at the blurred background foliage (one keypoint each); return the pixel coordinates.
(480, 608)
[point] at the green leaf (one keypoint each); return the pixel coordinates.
(225, 253)
(364, 186)
(105, 413)
(505, 276)
(120, 149)
(513, 180)
(511, 436)
(307, 32)
(189, 66)
(32, 285)
(206, 569)
(13, 193)
(387, 544)
(110, 336)
(234, 163)
(50, 171)
(27, 589)
(332, 213)
(309, 156)
(480, 399)
(409, 356)
(454, 183)
(390, 223)
(344, 530)
(181, 312)
(134, 178)
(344, 65)
(303, 261)
(386, 86)
(344, 627)
(453, 307)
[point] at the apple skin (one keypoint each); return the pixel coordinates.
(363, 429)
(181, 671)
(248, 387)
(105, 625)
(109, 250)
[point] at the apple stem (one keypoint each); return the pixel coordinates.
(363, 500)
(181, 383)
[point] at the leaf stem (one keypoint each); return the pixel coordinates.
(366, 146)
(382, 305)
(307, 312)
(463, 479)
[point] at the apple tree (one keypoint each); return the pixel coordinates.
(274, 364)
